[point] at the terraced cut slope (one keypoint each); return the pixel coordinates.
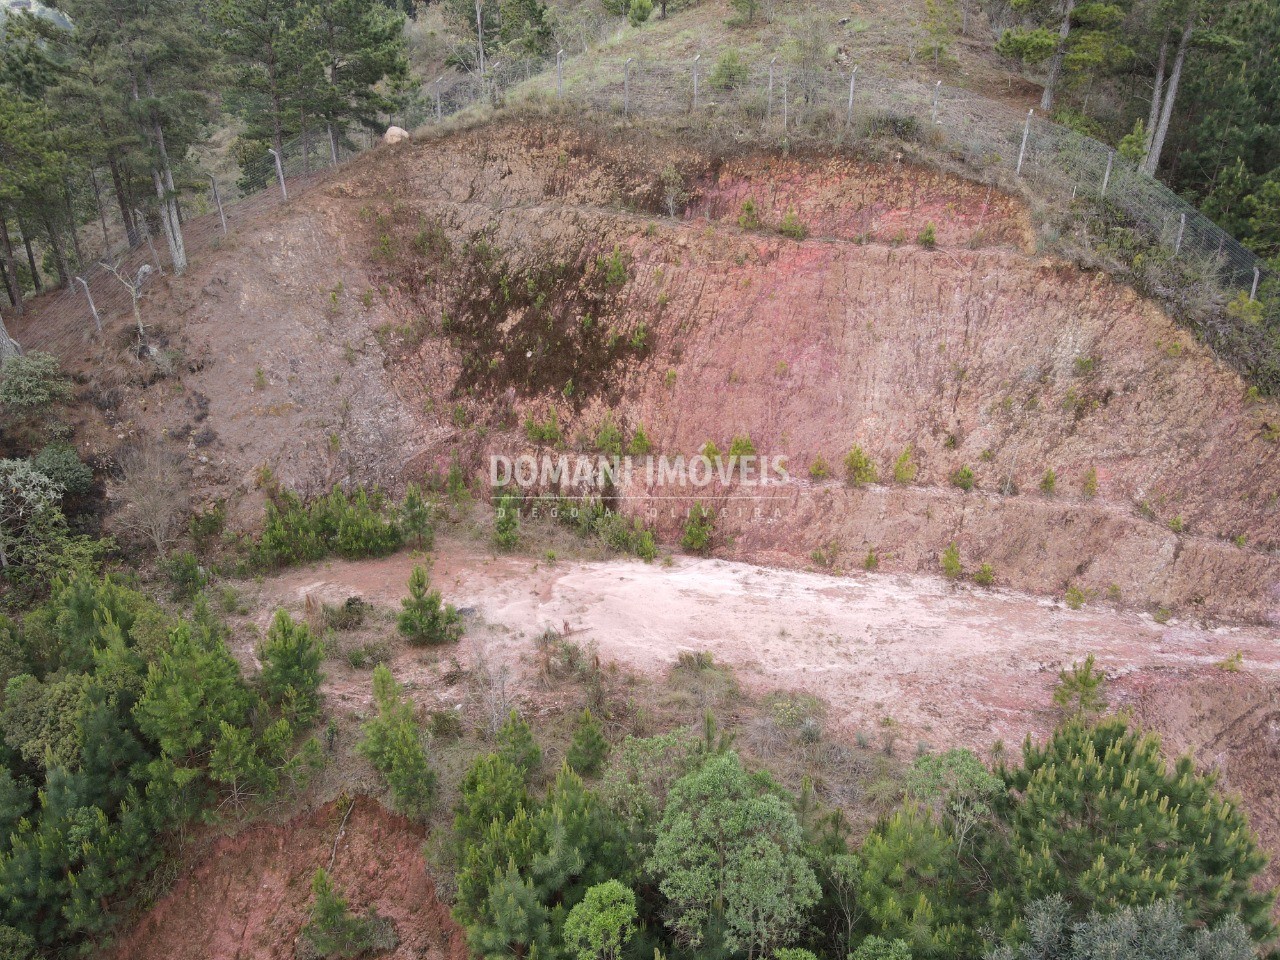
(440, 293)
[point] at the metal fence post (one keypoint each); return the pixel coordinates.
(1257, 275)
(146, 227)
(217, 198)
(560, 73)
(279, 173)
(937, 89)
(438, 113)
(1182, 229)
(848, 119)
(626, 87)
(784, 104)
(1106, 177)
(1026, 132)
(97, 320)
(695, 80)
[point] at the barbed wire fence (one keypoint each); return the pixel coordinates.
(770, 102)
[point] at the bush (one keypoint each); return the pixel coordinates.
(185, 574)
(904, 468)
(334, 933)
(291, 657)
(353, 527)
(31, 386)
(749, 218)
(858, 467)
(588, 749)
(950, 560)
(1048, 482)
(740, 447)
(517, 746)
(1090, 484)
(425, 619)
(609, 437)
(393, 744)
(639, 12)
(963, 478)
(730, 72)
(818, 469)
(506, 522)
(602, 923)
(547, 432)
(699, 529)
(928, 237)
(61, 464)
(1075, 597)
(639, 445)
(985, 576)
(417, 517)
(792, 227)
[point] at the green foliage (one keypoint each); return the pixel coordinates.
(1102, 815)
(424, 618)
(740, 447)
(1048, 482)
(334, 932)
(517, 746)
(699, 529)
(393, 744)
(32, 386)
(749, 218)
(185, 574)
(588, 749)
(609, 438)
(728, 73)
(61, 464)
(1089, 486)
(639, 445)
(876, 948)
(1133, 145)
(952, 568)
(860, 469)
(599, 926)
(493, 789)
(639, 12)
(1081, 690)
(546, 432)
(963, 478)
(904, 468)
(506, 522)
(614, 266)
(356, 526)
(36, 546)
(291, 676)
(958, 787)
(417, 517)
(928, 237)
(792, 227)
(985, 575)
(729, 859)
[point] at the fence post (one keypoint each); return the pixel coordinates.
(279, 173)
(768, 113)
(848, 119)
(1026, 132)
(937, 89)
(695, 80)
(1182, 228)
(438, 114)
(1257, 275)
(217, 198)
(97, 320)
(626, 87)
(1106, 177)
(784, 104)
(333, 144)
(560, 73)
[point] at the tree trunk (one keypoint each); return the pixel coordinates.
(10, 267)
(122, 198)
(1157, 92)
(1055, 65)
(1151, 163)
(480, 36)
(31, 257)
(162, 177)
(59, 255)
(71, 222)
(102, 214)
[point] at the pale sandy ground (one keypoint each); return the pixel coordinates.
(955, 665)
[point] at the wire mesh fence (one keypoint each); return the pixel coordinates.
(767, 101)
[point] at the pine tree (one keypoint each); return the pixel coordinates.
(393, 744)
(426, 619)
(492, 791)
(291, 658)
(588, 749)
(517, 745)
(599, 926)
(416, 515)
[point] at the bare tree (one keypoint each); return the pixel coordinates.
(153, 490)
(134, 285)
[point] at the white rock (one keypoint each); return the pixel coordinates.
(395, 135)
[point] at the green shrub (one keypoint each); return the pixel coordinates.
(928, 237)
(185, 574)
(1048, 482)
(904, 468)
(985, 575)
(506, 522)
(729, 72)
(792, 227)
(61, 464)
(291, 657)
(207, 526)
(740, 447)
(588, 749)
(614, 266)
(749, 218)
(871, 561)
(963, 478)
(609, 437)
(393, 744)
(626, 534)
(699, 528)
(711, 452)
(950, 560)
(639, 12)
(1075, 597)
(859, 469)
(818, 469)
(1090, 484)
(354, 527)
(547, 432)
(639, 445)
(1176, 524)
(417, 517)
(333, 933)
(425, 620)
(32, 385)
(517, 745)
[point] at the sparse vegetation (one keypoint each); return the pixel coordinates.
(859, 469)
(699, 528)
(905, 467)
(425, 619)
(949, 560)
